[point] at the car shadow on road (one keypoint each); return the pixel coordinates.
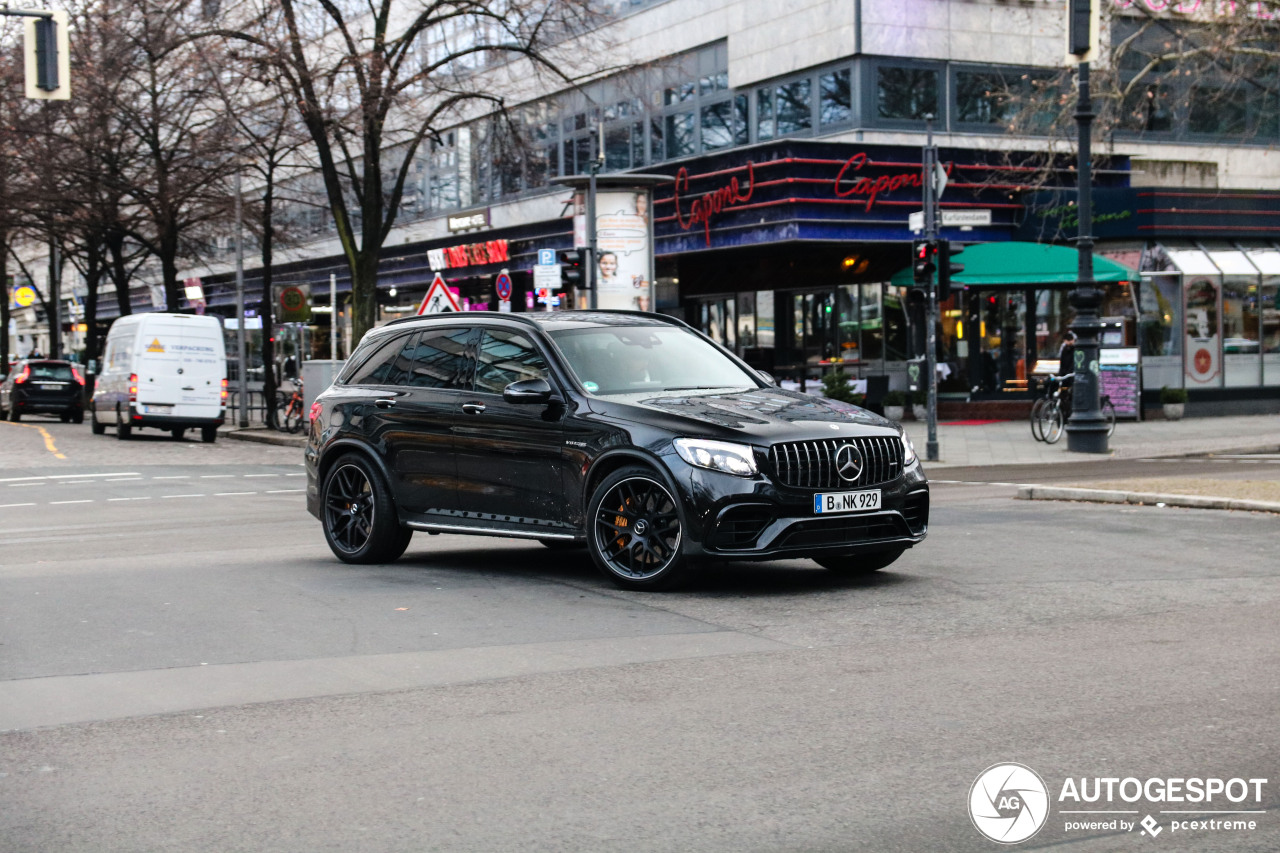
(789, 577)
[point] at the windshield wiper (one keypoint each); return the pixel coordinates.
(701, 387)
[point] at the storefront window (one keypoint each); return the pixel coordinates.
(980, 97)
(871, 321)
(764, 318)
(897, 337)
(1159, 315)
(679, 133)
(764, 114)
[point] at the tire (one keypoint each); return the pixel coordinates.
(1037, 412)
(630, 499)
(123, 428)
(77, 416)
(178, 433)
(209, 434)
(563, 544)
(65, 417)
(1109, 413)
(1052, 423)
(293, 422)
(96, 425)
(358, 514)
(859, 564)
(14, 414)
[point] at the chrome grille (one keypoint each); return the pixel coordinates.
(812, 464)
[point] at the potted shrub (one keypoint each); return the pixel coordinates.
(894, 401)
(1174, 401)
(837, 386)
(919, 404)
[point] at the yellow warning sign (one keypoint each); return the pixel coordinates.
(155, 346)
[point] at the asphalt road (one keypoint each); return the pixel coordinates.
(185, 667)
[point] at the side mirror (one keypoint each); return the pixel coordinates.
(528, 391)
(768, 378)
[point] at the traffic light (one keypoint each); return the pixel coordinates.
(570, 268)
(46, 50)
(946, 267)
(923, 263)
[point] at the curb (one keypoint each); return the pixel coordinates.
(1060, 493)
(263, 436)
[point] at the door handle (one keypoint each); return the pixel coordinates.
(385, 403)
(473, 408)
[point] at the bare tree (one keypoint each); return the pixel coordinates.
(372, 80)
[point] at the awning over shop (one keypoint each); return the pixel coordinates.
(1015, 264)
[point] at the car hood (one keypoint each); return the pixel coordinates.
(762, 414)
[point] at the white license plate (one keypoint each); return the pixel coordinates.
(158, 410)
(46, 386)
(837, 502)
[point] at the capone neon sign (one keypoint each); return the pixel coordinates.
(713, 202)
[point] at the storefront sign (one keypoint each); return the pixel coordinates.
(872, 188)
(713, 202)
(468, 221)
(468, 254)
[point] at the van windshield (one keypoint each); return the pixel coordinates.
(627, 359)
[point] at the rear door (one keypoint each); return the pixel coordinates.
(416, 382)
(180, 367)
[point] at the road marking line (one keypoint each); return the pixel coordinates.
(215, 476)
(174, 477)
(227, 494)
(123, 480)
(6, 506)
(48, 439)
(303, 475)
(20, 485)
(56, 503)
(283, 491)
(76, 482)
(67, 476)
(262, 475)
(183, 496)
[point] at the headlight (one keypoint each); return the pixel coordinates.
(736, 459)
(908, 452)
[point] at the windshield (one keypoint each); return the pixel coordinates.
(50, 370)
(627, 359)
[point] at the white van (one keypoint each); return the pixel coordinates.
(165, 371)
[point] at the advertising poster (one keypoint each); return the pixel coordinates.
(625, 250)
(1203, 349)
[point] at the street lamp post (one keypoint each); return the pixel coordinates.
(242, 410)
(1086, 428)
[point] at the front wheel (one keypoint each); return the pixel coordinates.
(1037, 412)
(359, 515)
(636, 532)
(1052, 423)
(859, 564)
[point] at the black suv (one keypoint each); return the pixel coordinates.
(629, 433)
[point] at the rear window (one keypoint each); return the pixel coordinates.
(47, 370)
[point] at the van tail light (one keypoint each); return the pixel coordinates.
(224, 392)
(133, 387)
(76, 373)
(316, 408)
(23, 376)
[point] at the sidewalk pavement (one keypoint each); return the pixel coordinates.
(972, 443)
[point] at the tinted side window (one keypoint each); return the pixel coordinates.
(441, 360)
(507, 357)
(388, 365)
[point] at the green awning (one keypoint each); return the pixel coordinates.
(1024, 265)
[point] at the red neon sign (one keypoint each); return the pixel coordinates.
(872, 188)
(713, 202)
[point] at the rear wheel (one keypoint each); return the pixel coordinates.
(359, 515)
(65, 417)
(14, 414)
(293, 420)
(635, 531)
(1109, 414)
(123, 428)
(209, 434)
(96, 425)
(77, 416)
(178, 433)
(1037, 408)
(859, 564)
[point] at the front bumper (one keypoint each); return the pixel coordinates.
(755, 519)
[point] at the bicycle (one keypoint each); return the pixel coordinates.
(289, 414)
(1049, 414)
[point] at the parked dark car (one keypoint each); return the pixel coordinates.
(43, 386)
(630, 434)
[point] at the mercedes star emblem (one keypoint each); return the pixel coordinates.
(848, 463)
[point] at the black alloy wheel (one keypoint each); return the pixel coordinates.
(859, 564)
(636, 532)
(358, 515)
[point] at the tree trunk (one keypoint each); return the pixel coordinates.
(4, 303)
(120, 274)
(268, 306)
